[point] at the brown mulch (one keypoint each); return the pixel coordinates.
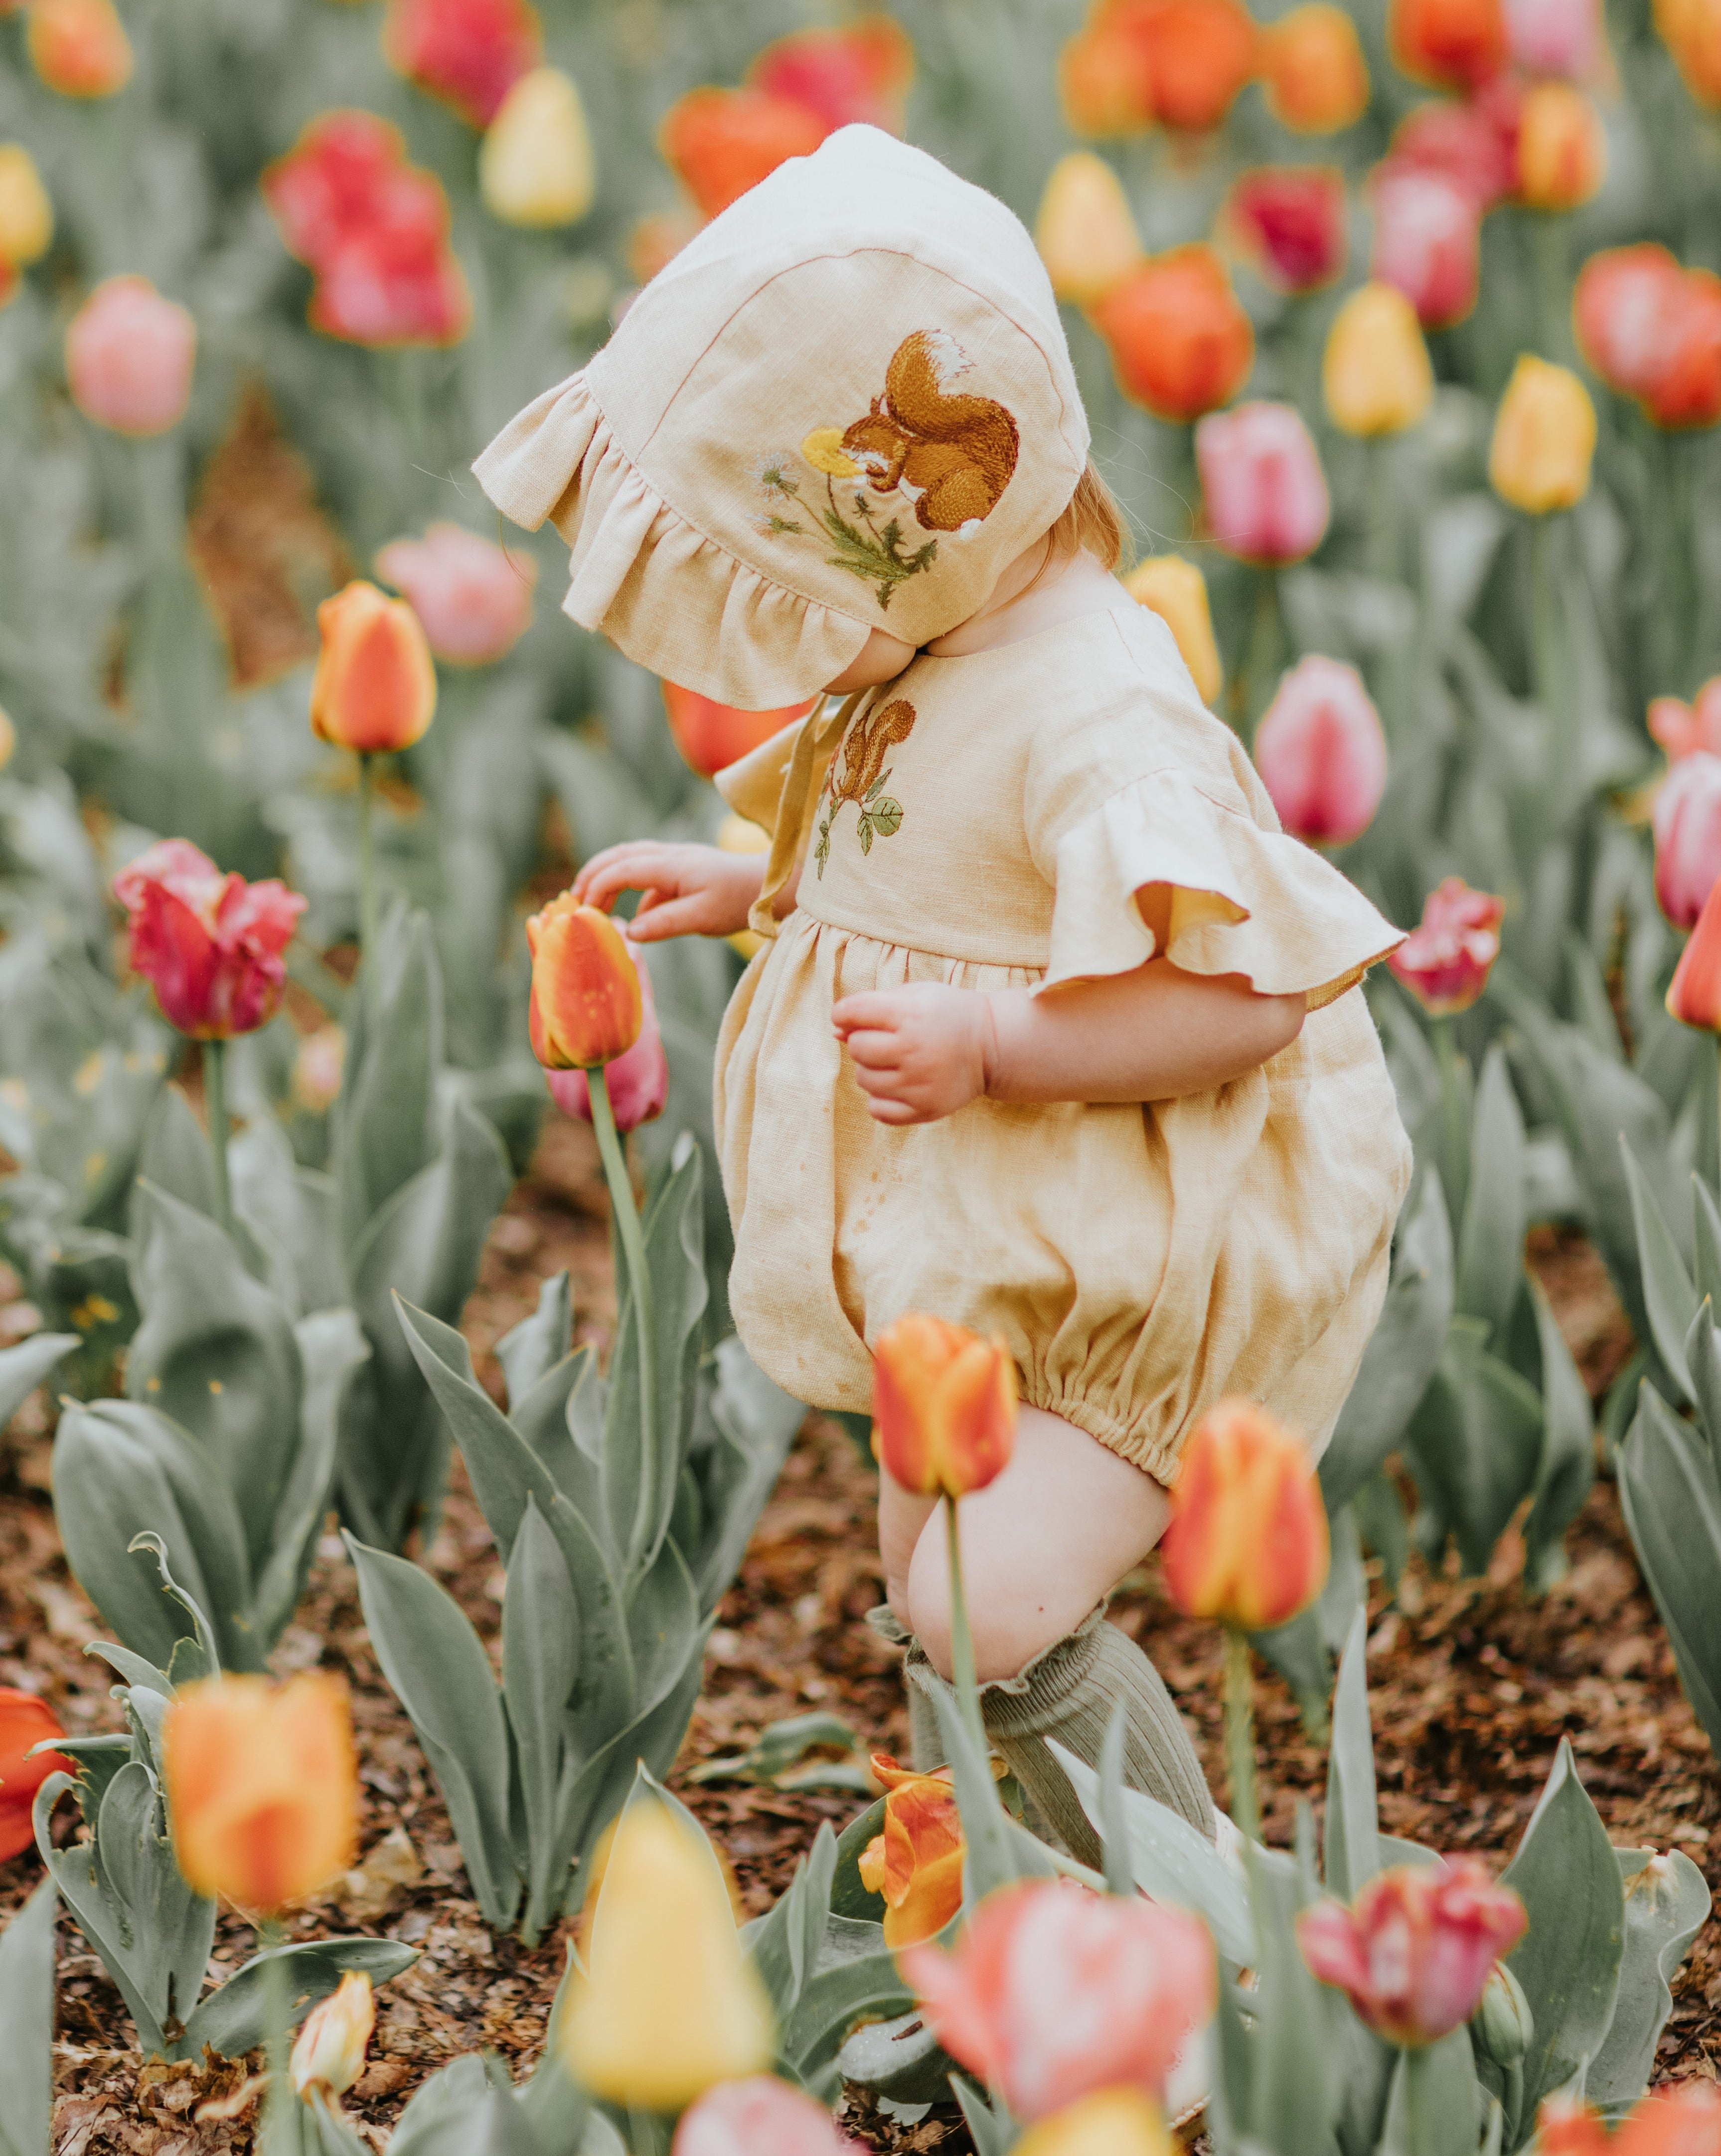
(1472, 1684)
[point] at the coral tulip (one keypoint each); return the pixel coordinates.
(535, 168)
(638, 1080)
(1681, 2121)
(1544, 437)
(374, 690)
(468, 52)
(944, 1405)
(721, 142)
(25, 1721)
(1312, 65)
(1194, 55)
(1103, 84)
(588, 1005)
(1453, 44)
(1289, 219)
(1688, 837)
(1624, 312)
(1427, 243)
(329, 2052)
(1179, 341)
(712, 735)
(1085, 231)
(1176, 591)
(1320, 752)
(1248, 1542)
(1375, 372)
(1118, 2121)
(1554, 37)
(130, 355)
(26, 213)
(1694, 992)
(1414, 1952)
(1686, 388)
(669, 2005)
(758, 2117)
(1682, 729)
(79, 47)
(916, 1864)
(1002, 2002)
(473, 597)
(1565, 2126)
(1261, 482)
(859, 71)
(262, 1787)
(11, 283)
(209, 945)
(1562, 151)
(1445, 961)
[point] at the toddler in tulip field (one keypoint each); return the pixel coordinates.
(1055, 1034)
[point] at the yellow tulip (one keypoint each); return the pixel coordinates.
(1176, 591)
(8, 738)
(1116, 2122)
(26, 214)
(1562, 148)
(737, 835)
(670, 2006)
(1544, 437)
(1085, 232)
(329, 2054)
(534, 167)
(1375, 371)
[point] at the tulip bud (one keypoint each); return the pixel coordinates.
(1262, 482)
(262, 1787)
(758, 2117)
(943, 1405)
(1289, 220)
(587, 1003)
(468, 52)
(535, 168)
(79, 47)
(1375, 372)
(1427, 243)
(858, 73)
(1176, 591)
(1687, 826)
(129, 358)
(1503, 2022)
(1554, 37)
(1445, 963)
(329, 2052)
(915, 1863)
(1544, 437)
(720, 142)
(1085, 231)
(1562, 151)
(1682, 729)
(26, 213)
(1452, 44)
(374, 688)
(1311, 65)
(25, 1721)
(1320, 752)
(669, 2004)
(1248, 1542)
(638, 1080)
(712, 735)
(1114, 2122)
(1179, 341)
(210, 945)
(473, 597)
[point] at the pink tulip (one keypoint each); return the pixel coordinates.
(1427, 242)
(1470, 141)
(129, 358)
(1445, 961)
(1320, 752)
(1053, 1992)
(1554, 37)
(210, 945)
(1682, 729)
(638, 1080)
(1688, 837)
(1262, 480)
(473, 597)
(758, 2117)
(1415, 1950)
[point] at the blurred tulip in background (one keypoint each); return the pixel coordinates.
(1694, 992)
(25, 1721)
(1625, 311)
(328, 2055)
(1320, 752)
(1111, 2123)
(1085, 230)
(711, 735)
(1375, 372)
(1248, 1543)
(535, 168)
(1554, 37)
(468, 52)
(1691, 30)
(26, 213)
(1313, 71)
(1427, 243)
(1179, 341)
(1289, 221)
(638, 1079)
(1262, 484)
(317, 1065)
(130, 355)
(1445, 961)
(721, 142)
(758, 2117)
(374, 691)
(1452, 44)
(1414, 1952)
(472, 596)
(1682, 729)
(79, 47)
(914, 1864)
(859, 70)
(1472, 142)
(209, 945)
(944, 1405)
(1102, 85)
(1544, 439)
(588, 1005)
(1688, 837)
(1176, 591)
(1562, 150)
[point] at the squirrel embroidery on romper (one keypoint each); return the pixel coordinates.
(860, 775)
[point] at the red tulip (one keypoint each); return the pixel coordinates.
(1554, 37)
(1320, 752)
(469, 53)
(1262, 482)
(1248, 1543)
(915, 1863)
(638, 1079)
(1192, 57)
(1626, 310)
(1682, 729)
(712, 735)
(860, 72)
(130, 355)
(1686, 389)
(1414, 1952)
(24, 1720)
(209, 945)
(1446, 962)
(1694, 992)
(1473, 144)
(1688, 837)
(758, 2117)
(473, 597)
(1053, 1993)
(1290, 219)
(1427, 243)
(721, 142)
(1179, 341)
(944, 1405)
(1454, 44)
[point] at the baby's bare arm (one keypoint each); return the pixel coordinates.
(688, 890)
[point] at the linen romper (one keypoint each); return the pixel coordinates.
(1052, 810)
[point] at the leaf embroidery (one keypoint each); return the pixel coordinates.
(859, 774)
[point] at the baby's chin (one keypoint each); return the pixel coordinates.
(881, 658)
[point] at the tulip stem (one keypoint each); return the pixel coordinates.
(962, 1640)
(633, 1243)
(1425, 2132)
(1239, 1731)
(367, 853)
(1383, 550)
(215, 1108)
(1256, 683)
(278, 2120)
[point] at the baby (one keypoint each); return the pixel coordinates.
(1056, 1035)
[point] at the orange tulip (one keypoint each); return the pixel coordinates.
(1691, 30)
(711, 735)
(721, 142)
(1683, 729)
(917, 1862)
(79, 47)
(1180, 342)
(944, 1402)
(262, 1787)
(375, 685)
(24, 1720)
(586, 1007)
(1248, 1541)
(1562, 151)
(1685, 2121)
(1197, 53)
(1694, 992)
(1102, 83)
(1452, 44)
(1314, 75)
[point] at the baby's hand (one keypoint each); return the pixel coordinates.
(920, 1053)
(689, 891)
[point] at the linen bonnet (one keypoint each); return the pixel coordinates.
(847, 405)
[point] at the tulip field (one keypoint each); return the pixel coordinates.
(446, 1702)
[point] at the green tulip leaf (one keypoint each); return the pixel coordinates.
(235, 2020)
(27, 2011)
(1667, 1905)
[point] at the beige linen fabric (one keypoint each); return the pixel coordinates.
(847, 405)
(1056, 808)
